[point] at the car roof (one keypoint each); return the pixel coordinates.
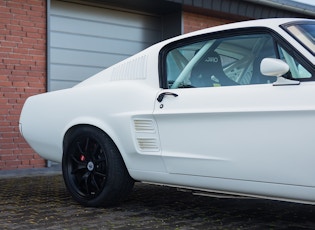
(272, 23)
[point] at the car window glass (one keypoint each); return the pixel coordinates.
(226, 61)
(297, 70)
(303, 33)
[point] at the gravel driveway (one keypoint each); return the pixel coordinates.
(42, 202)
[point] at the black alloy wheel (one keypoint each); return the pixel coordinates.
(93, 169)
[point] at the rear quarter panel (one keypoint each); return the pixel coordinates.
(46, 118)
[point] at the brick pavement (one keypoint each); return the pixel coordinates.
(40, 201)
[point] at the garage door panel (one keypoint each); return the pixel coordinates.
(84, 59)
(86, 39)
(63, 84)
(99, 29)
(95, 44)
(104, 15)
(77, 73)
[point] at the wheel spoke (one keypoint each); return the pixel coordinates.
(78, 162)
(78, 170)
(94, 152)
(100, 174)
(85, 181)
(79, 165)
(98, 161)
(101, 166)
(86, 148)
(79, 147)
(93, 181)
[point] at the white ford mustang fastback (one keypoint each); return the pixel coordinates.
(229, 109)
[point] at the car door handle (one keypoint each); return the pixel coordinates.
(162, 95)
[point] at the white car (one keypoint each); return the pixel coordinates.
(229, 109)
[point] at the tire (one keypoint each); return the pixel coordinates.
(93, 169)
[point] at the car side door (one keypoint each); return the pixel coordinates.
(219, 117)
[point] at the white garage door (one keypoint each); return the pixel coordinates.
(84, 40)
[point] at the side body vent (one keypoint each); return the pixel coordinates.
(144, 126)
(146, 135)
(148, 144)
(131, 70)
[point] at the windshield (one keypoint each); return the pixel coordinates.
(304, 33)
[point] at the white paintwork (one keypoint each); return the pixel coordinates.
(273, 67)
(256, 140)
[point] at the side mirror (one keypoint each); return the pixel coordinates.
(273, 67)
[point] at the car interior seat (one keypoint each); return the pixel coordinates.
(209, 72)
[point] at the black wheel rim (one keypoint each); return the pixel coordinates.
(86, 167)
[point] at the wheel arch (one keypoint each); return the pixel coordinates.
(69, 132)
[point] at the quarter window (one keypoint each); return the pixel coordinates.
(297, 70)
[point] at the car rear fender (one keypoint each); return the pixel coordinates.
(123, 139)
(92, 122)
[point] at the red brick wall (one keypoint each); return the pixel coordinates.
(193, 21)
(23, 70)
(22, 74)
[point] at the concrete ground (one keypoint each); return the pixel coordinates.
(38, 199)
